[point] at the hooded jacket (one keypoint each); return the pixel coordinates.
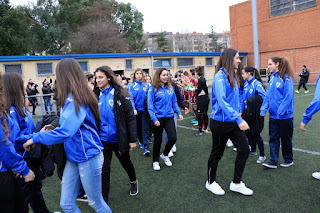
(118, 123)
(162, 103)
(279, 98)
(138, 91)
(225, 100)
(78, 132)
(314, 106)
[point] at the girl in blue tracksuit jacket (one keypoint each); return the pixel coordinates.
(78, 131)
(162, 104)
(118, 129)
(226, 123)
(280, 102)
(313, 107)
(11, 196)
(23, 129)
(138, 90)
(253, 86)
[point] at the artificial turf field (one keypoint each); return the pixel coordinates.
(181, 188)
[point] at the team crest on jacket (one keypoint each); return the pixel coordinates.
(250, 91)
(145, 89)
(278, 84)
(111, 102)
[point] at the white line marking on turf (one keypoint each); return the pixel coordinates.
(296, 149)
(301, 96)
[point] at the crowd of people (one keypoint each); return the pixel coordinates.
(105, 113)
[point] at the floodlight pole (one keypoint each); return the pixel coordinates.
(255, 34)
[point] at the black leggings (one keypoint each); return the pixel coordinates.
(221, 132)
(303, 85)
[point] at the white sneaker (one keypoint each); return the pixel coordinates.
(316, 175)
(261, 159)
(206, 131)
(241, 188)
(235, 149)
(170, 154)
(156, 166)
(215, 188)
(229, 143)
(166, 160)
(174, 148)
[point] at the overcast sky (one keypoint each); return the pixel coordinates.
(179, 15)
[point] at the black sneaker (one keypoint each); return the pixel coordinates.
(83, 198)
(269, 165)
(134, 188)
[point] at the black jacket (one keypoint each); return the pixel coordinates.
(125, 119)
(179, 96)
(252, 113)
(31, 92)
(304, 76)
(47, 90)
(202, 85)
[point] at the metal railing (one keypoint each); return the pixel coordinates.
(43, 112)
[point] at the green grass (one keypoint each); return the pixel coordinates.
(181, 188)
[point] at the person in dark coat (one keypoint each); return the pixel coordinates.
(304, 77)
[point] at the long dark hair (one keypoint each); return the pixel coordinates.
(113, 82)
(14, 92)
(239, 77)
(156, 79)
(3, 114)
(284, 66)
(71, 79)
(253, 72)
(226, 61)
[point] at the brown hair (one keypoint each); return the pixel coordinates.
(3, 114)
(113, 80)
(14, 92)
(134, 75)
(284, 66)
(226, 61)
(70, 79)
(156, 79)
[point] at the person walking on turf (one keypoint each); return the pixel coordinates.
(304, 77)
(280, 102)
(226, 122)
(162, 104)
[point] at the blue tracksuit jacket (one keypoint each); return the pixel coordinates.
(252, 87)
(279, 98)
(78, 132)
(138, 91)
(108, 131)
(225, 100)
(162, 103)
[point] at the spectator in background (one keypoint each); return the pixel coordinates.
(32, 90)
(46, 89)
(90, 79)
(304, 77)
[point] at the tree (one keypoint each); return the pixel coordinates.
(98, 36)
(214, 41)
(162, 42)
(14, 31)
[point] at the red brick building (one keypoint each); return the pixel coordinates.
(289, 28)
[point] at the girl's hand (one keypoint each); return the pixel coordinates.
(303, 126)
(132, 146)
(27, 144)
(181, 117)
(30, 176)
(186, 110)
(244, 126)
(157, 123)
(135, 112)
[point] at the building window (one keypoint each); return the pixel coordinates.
(84, 65)
(209, 61)
(279, 7)
(185, 62)
(158, 63)
(13, 68)
(129, 64)
(44, 69)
